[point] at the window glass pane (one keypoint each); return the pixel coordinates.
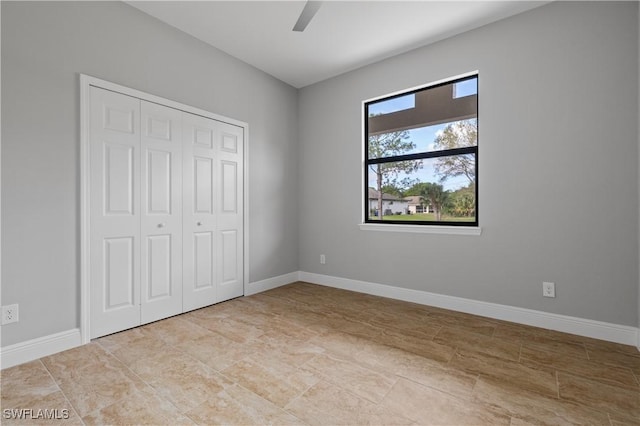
(436, 190)
(392, 105)
(457, 134)
(465, 88)
(428, 126)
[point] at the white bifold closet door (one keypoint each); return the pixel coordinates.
(230, 214)
(161, 209)
(212, 211)
(115, 212)
(165, 211)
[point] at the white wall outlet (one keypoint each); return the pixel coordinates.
(9, 314)
(548, 289)
(323, 259)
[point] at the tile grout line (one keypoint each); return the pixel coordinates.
(586, 351)
(610, 419)
(473, 388)
(637, 377)
(409, 379)
(324, 377)
(62, 391)
(520, 354)
(149, 385)
(588, 355)
(396, 379)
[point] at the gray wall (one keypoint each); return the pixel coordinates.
(559, 183)
(44, 48)
(558, 166)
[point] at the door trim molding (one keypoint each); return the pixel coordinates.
(86, 82)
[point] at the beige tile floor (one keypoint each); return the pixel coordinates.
(306, 354)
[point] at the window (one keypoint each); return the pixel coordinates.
(421, 156)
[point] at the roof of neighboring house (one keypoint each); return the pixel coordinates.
(373, 195)
(414, 200)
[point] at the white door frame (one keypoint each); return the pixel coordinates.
(86, 82)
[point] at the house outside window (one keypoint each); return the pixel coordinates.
(391, 204)
(421, 155)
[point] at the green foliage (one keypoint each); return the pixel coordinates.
(434, 195)
(416, 189)
(463, 202)
(457, 135)
(393, 190)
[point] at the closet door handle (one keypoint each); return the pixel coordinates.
(199, 223)
(161, 225)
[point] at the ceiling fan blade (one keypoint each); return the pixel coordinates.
(307, 14)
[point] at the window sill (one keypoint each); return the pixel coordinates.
(422, 229)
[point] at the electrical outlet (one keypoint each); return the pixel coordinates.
(323, 259)
(9, 314)
(548, 289)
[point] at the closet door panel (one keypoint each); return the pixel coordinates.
(161, 221)
(202, 266)
(118, 179)
(119, 280)
(199, 207)
(114, 226)
(230, 211)
(203, 185)
(159, 266)
(229, 254)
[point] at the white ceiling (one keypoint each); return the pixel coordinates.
(343, 35)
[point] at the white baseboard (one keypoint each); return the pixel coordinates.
(583, 327)
(269, 283)
(49, 345)
(37, 348)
